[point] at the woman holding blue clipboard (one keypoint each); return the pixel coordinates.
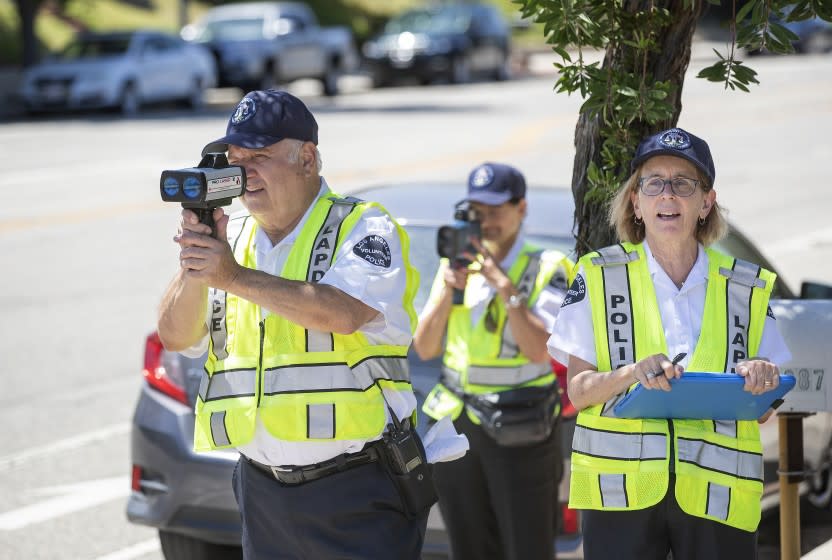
(650, 486)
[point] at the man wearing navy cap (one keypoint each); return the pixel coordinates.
(309, 299)
(499, 501)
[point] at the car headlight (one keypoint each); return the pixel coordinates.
(438, 46)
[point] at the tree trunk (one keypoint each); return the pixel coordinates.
(26, 10)
(669, 63)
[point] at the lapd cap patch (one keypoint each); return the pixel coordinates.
(375, 250)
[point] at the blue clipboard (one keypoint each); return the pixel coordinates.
(698, 395)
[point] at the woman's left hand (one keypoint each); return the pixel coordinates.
(760, 375)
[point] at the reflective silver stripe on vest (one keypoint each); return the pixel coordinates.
(618, 307)
(726, 427)
(218, 432)
(740, 284)
(525, 285)
(506, 375)
(321, 259)
(619, 445)
(741, 464)
(613, 490)
(306, 378)
(614, 255)
(217, 326)
(227, 384)
(320, 421)
(719, 499)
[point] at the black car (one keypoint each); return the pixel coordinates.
(453, 42)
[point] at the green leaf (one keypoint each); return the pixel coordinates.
(745, 9)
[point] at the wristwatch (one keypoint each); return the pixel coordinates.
(515, 301)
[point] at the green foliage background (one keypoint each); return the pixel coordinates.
(364, 16)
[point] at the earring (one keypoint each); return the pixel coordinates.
(638, 221)
(702, 220)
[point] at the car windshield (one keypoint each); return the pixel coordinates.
(451, 20)
(424, 258)
(92, 47)
(232, 30)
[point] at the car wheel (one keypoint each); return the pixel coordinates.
(196, 97)
(269, 79)
(130, 103)
(460, 69)
(503, 71)
(820, 483)
(818, 43)
(330, 82)
(182, 547)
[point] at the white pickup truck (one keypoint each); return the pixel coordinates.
(258, 45)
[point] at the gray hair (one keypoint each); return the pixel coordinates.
(295, 153)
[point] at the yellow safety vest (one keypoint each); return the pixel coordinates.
(477, 361)
(306, 385)
(625, 464)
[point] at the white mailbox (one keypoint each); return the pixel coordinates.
(807, 327)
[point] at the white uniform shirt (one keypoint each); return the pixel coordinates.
(378, 287)
(681, 310)
(478, 292)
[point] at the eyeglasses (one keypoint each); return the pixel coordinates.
(680, 186)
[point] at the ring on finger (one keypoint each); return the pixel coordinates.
(768, 383)
(653, 374)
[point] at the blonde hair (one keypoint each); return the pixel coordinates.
(622, 216)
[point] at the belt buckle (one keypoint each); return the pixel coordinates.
(287, 476)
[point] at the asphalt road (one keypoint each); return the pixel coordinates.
(87, 250)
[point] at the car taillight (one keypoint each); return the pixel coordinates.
(567, 409)
(569, 520)
(156, 373)
(136, 479)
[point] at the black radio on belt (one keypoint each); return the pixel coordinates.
(402, 448)
(405, 457)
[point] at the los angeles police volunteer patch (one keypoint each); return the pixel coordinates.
(375, 250)
(576, 291)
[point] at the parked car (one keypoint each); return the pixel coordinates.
(453, 42)
(187, 496)
(258, 45)
(124, 70)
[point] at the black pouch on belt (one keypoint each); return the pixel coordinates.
(405, 459)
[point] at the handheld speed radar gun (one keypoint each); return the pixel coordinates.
(213, 183)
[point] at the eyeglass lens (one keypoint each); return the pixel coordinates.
(680, 186)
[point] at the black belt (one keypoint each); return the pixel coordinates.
(299, 475)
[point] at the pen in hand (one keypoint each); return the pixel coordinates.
(678, 358)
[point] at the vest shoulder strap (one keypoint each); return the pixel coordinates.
(744, 273)
(614, 255)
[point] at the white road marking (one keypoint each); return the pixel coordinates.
(70, 498)
(803, 242)
(134, 551)
(74, 442)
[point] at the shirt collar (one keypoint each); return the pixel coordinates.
(262, 242)
(697, 275)
(514, 252)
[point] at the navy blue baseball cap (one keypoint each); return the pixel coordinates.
(679, 143)
(495, 183)
(263, 118)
